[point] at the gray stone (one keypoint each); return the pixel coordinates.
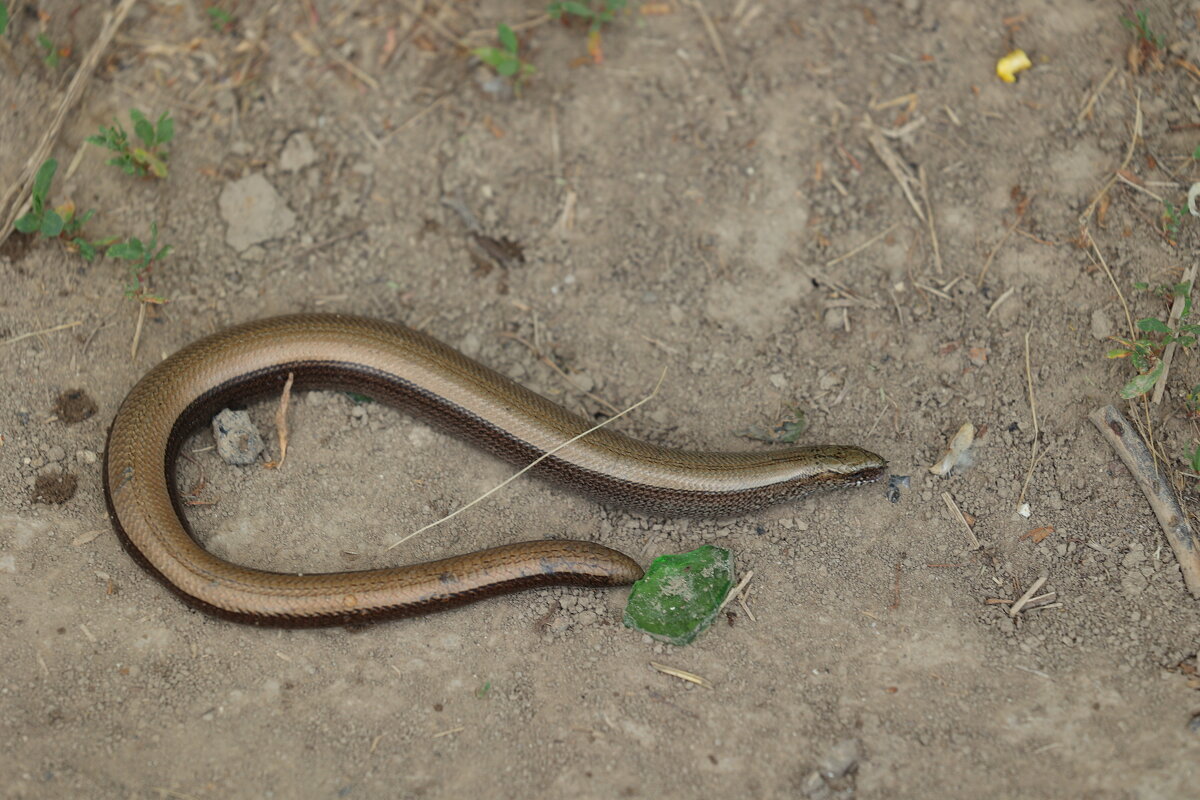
(298, 152)
(840, 759)
(254, 212)
(238, 441)
(1102, 327)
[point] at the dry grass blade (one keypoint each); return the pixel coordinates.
(933, 237)
(988, 263)
(1160, 386)
(1033, 451)
(896, 166)
(1137, 133)
(281, 422)
(715, 37)
(531, 465)
(957, 512)
(856, 250)
(682, 674)
(62, 327)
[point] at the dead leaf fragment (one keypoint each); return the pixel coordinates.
(1037, 534)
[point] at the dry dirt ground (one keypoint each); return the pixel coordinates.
(695, 202)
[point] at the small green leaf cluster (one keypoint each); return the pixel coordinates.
(1172, 217)
(51, 57)
(599, 15)
(142, 257)
(1141, 27)
(60, 222)
(147, 159)
(219, 18)
(504, 59)
(1145, 352)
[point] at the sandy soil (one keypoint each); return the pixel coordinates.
(676, 208)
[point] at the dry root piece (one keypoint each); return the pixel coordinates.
(1149, 475)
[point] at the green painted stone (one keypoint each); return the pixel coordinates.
(680, 594)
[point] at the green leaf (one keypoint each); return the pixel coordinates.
(1153, 325)
(1118, 352)
(1196, 153)
(1142, 383)
(508, 67)
(578, 9)
(86, 248)
(3, 19)
(130, 251)
(156, 165)
(165, 130)
(492, 56)
(28, 223)
(508, 39)
(1141, 286)
(52, 224)
(41, 181)
(144, 130)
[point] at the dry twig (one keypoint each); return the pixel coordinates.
(14, 198)
(1127, 444)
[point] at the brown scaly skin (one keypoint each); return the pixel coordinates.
(408, 369)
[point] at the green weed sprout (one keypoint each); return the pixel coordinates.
(60, 222)
(504, 59)
(139, 161)
(142, 257)
(598, 14)
(41, 219)
(3, 18)
(1172, 217)
(219, 18)
(1141, 27)
(1145, 352)
(52, 53)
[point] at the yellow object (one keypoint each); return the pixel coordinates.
(1008, 67)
